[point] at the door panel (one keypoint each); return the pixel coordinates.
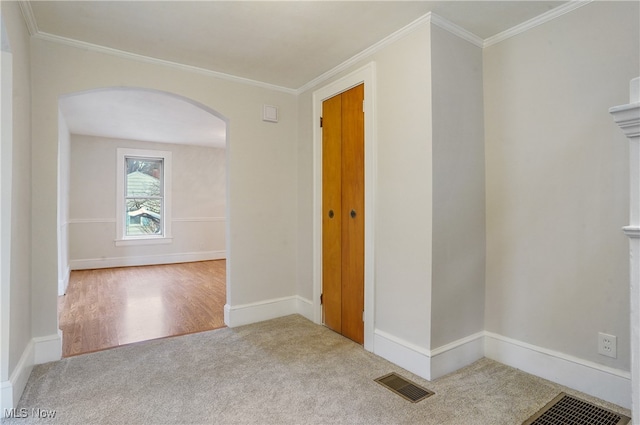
(343, 193)
(332, 201)
(353, 214)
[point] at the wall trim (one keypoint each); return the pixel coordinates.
(429, 364)
(402, 32)
(174, 219)
(63, 282)
(156, 61)
(397, 35)
(610, 384)
(91, 220)
(245, 314)
(409, 356)
(606, 383)
(145, 260)
(29, 17)
(456, 30)
(429, 17)
(12, 389)
(304, 307)
(632, 231)
(534, 22)
(199, 219)
(457, 354)
(38, 351)
(47, 348)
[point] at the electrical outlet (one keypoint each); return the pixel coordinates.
(607, 345)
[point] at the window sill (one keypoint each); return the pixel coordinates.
(143, 241)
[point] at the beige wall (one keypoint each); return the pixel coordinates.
(458, 189)
(261, 165)
(402, 228)
(557, 181)
(198, 204)
(20, 288)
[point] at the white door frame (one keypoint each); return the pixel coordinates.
(365, 75)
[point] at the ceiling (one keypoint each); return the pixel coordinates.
(285, 43)
(280, 43)
(145, 115)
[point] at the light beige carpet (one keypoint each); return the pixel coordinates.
(283, 371)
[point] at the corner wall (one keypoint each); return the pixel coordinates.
(458, 189)
(17, 347)
(557, 196)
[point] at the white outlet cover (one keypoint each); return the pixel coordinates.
(607, 345)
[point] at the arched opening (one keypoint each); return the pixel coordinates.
(109, 219)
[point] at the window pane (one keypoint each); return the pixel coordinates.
(144, 177)
(143, 217)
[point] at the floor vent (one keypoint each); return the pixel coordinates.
(404, 388)
(565, 409)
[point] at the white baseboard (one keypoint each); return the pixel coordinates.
(245, 314)
(402, 353)
(304, 308)
(145, 260)
(63, 282)
(600, 381)
(47, 348)
(39, 350)
(429, 364)
(458, 354)
(13, 388)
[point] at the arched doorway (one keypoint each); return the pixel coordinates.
(99, 131)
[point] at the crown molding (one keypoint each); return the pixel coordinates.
(29, 17)
(534, 22)
(148, 59)
(367, 52)
(429, 18)
(402, 32)
(457, 30)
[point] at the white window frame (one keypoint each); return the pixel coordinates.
(121, 238)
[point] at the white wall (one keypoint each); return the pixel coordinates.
(458, 189)
(17, 364)
(403, 181)
(198, 205)
(427, 74)
(260, 158)
(64, 154)
(557, 182)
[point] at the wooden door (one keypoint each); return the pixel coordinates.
(343, 213)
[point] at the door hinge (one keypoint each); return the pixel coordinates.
(363, 315)
(321, 299)
(363, 105)
(320, 122)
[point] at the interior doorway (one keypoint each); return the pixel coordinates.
(366, 76)
(96, 127)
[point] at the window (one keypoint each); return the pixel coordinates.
(143, 204)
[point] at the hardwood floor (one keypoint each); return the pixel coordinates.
(105, 308)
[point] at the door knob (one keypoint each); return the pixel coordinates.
(330, 213)
(353, 213)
